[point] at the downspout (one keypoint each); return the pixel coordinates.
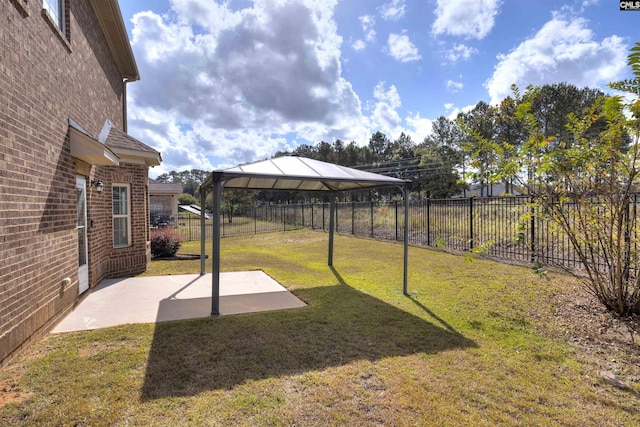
(124, 105)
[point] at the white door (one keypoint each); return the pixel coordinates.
(83, 263)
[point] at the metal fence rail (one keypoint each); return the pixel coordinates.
(504, 228)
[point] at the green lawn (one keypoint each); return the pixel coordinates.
(463, 349)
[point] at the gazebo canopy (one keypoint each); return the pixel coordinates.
(293, 173)
(290, 173)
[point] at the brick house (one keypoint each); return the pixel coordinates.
(163, 202)
(64, 66)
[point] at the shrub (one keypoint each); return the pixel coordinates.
(164, 243)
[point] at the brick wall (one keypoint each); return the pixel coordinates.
(47, 77)
(105, 260)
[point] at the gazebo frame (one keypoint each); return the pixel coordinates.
(291, 173)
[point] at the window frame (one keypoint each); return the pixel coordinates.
(127, 215)
(60, 22)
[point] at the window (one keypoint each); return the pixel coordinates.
(56, 10)
(121, 216)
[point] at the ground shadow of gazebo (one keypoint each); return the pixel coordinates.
(290, 173)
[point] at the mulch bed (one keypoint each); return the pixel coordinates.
(608, 344)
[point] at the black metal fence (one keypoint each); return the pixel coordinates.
(504, 228)
(244, 221)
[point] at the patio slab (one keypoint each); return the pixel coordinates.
(165, 298)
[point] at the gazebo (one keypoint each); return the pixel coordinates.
(290, 173)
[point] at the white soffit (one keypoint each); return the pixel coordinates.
(89, 150)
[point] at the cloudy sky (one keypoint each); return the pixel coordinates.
(229, 82)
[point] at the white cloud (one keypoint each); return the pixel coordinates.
(460, 51)
(386, 118)
(453, 114)
(464, 18)
(587, 3)
(390, 96)
(454, 87)
(384, 115)
(563, 50)
(448, 106)
(420, 127)
(220, 84)
(358, 45)
(393, 10)
(401, 48)
(368, 22)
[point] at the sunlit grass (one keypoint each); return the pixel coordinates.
(461, 350)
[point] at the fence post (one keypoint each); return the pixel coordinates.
(470, 223)
(371, 202)
(353, 218)
(429, 222)
(323, 229)
(284, 223)
(533, 231)
(397, 220)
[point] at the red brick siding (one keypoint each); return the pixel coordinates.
(105, 260)
(44, 82)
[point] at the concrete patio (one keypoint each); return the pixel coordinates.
(165, 298)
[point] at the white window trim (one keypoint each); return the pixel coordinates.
(127, 216)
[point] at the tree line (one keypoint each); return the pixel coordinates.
(458, 153)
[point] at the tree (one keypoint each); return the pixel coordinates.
(190, 180)
(585, 187)
(325, 152)
(187, 199)
(378, 144)
(438, 176)
(555, 102)
(479, 130)
(231, 201)
(510, 134)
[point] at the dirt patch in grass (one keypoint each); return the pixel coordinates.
(608, 345)
(10, 391)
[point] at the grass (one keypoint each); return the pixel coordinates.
(463, 349)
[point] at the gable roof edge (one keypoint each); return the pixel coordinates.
(110, 19)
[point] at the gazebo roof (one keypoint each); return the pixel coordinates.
(293, 173)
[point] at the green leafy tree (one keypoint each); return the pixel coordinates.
(584, 187)
(190, 179)
(438, 175)
(232, 201)
(187, 199)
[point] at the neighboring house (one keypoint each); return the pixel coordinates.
(73, 185)
(163, 202)
(490, 190)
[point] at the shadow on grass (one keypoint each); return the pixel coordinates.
(339, 326)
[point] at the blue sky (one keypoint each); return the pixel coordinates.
(230, 82)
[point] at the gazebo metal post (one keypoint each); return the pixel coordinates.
(406, 239)
(203, 235)
(332, 225)
(215, 263)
